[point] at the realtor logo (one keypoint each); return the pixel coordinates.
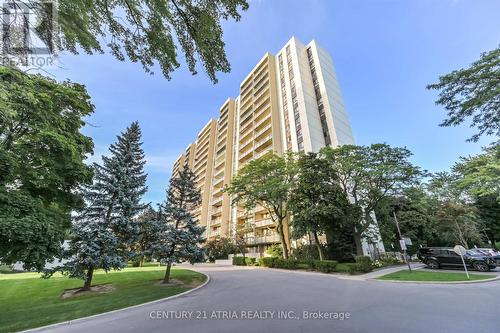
(28, 33)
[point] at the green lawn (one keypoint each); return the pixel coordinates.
(27, 301)
(419, 275)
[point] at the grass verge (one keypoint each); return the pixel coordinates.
(419, 275)
(27, 301)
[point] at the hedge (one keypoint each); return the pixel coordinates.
(362, 265)
(267, 261)
(239, 261)
(325, 266)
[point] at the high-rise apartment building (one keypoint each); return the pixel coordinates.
(288, 102)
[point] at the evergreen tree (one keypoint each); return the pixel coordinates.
(181, 237)
(93, 246)
(149, 230)
(104, 231)
(119, 185)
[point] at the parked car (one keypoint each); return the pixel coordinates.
(490, 252)
(437, 257)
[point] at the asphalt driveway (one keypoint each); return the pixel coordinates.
(265, 300)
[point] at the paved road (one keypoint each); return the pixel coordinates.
(373, 306)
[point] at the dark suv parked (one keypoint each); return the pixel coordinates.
(436, 257)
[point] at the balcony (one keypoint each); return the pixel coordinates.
(216, 211)
(216, 181)
(263, 142)
(260, 122)
(262, 107)
(262, 153)
(243, 214)
(216, 192)
(263, 130)
(245, 146)
(247, 128)
(217, 201)
(264, 239)
(216, 222)
(245, 155)
(219, 173)
(260, 93)
(245, 117)
(263, 223)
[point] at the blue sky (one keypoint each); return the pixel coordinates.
(385, 53)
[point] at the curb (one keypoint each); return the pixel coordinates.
(83, 319)
(437, 282)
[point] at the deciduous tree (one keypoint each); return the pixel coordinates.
(267, 182)
(317, 202)
(147, 32)
(473, 92)
(367, 174)
(42, 153)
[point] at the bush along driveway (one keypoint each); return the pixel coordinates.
(362, 265)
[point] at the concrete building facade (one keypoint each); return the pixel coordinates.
(290, 101)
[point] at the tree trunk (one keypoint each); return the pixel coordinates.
(318, 245)
(166, 279)
(88, 279)
(359, 244)
(282, 239)
(141, 263)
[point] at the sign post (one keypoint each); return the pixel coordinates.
(461, 251)
(402, 241)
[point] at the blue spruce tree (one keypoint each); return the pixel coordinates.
(181, 237)
(104, 231)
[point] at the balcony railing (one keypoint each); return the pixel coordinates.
(217, 210)
(263, 223)
(264, 239)
(262, 153)
(216, 201)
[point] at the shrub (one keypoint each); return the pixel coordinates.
(285, 263)
(309, 263)
(267, 261)
(325, 266)
(219, 248)
(344, 267)
(307, 252)
(387, 259)
(249, 261)
(239, 261)
(136, 262)
(275, 250)
(363, 265)
(273, 262)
